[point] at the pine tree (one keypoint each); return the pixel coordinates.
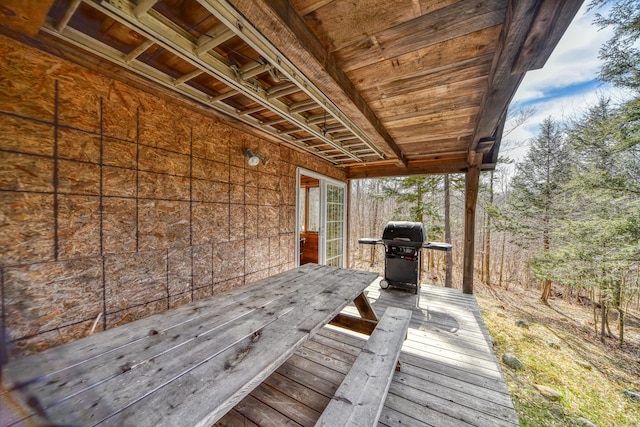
(621, 53)
(603, 231)
(536, 198)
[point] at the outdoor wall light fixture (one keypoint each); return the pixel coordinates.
(253, 158)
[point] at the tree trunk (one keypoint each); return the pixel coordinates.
(481, 246)
(621, 326)
(595, 310)
(447, 231)
(376, 202)
(603, 320)
(504, 241)
(546, 286)
(619, 307)
(487, 247)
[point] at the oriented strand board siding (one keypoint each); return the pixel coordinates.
(115, 201)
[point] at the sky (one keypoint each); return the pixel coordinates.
(566, 85)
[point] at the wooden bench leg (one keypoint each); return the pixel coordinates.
(365, 324)
(364, 308)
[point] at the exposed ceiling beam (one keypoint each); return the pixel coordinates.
(548, 27)
(383, 170)
(531, 31)
(280, 23)
(252, 35)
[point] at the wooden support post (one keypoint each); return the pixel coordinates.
(472, 181)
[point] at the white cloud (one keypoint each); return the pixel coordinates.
(564, 87)
(573, 61)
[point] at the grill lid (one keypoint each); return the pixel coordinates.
(401, 232)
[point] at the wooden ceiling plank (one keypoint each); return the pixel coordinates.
(342, 23)
(456, 20)
(423, 152)
(464, 71)
(420, 119)
(446, 126)
(444, 24)
(462, 101)
(308, 6)
(428, 60)
(463, 136)
(279, 22)
(406, 101)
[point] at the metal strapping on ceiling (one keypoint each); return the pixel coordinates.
(216, 57)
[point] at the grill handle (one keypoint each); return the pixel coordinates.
(370, 241)
(437, 246)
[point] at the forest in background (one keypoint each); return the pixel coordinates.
(562, 222)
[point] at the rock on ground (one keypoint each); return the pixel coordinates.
(631, 394)
(512, 361)
(583, 422)
(548, 392)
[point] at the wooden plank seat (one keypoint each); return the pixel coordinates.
(360, 398)
(185, 366)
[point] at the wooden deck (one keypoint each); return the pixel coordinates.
(449, 375)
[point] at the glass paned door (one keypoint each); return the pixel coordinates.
(335, 224)
(321, 221)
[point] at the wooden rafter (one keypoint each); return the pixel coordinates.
(282, 25)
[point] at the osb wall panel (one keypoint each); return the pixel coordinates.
(116, 204)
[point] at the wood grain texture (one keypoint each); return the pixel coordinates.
(359, 399)
(471, 183)
(463, 386)
(203, 357)
(301, 45)
(125, 173)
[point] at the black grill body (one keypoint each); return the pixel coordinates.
(403, 242)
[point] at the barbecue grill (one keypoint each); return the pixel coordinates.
(403, 242)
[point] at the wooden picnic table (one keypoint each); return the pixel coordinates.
(185, 366)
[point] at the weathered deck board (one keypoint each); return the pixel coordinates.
(189, 366)
(449, 375)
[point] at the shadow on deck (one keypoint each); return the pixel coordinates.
(449, 375)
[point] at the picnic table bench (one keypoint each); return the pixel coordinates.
(186, 366)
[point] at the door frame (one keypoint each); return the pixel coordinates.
(322, 234)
